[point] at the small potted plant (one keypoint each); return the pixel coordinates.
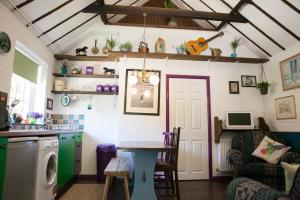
(234, 45)
(110, 44)
(263, 87)
(127, 46)
(169, 4)
(181, 49)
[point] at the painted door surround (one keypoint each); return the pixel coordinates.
(207, 79)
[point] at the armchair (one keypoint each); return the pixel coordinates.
(246, 165)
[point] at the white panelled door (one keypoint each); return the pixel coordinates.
(188, 110)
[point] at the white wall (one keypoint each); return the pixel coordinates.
(272, 69)
(108, 124)
(17, 31)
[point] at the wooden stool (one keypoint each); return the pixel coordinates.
(116, 167)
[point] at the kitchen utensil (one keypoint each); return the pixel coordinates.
(95, 49)
(76, 71)
(143, 47)
(90, 107)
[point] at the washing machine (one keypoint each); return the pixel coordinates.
(46, 176)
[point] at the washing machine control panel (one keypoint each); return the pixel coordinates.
(47, 144)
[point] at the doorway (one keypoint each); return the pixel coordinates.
(188, 106)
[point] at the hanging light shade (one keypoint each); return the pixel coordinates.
(154, 79)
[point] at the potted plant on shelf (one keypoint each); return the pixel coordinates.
(169, 4)
(110, 44)
(181, 49)
(234, 45)
(263, 85)
(127, 46)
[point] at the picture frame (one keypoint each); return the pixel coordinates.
(286, 108)
(248, 81)
(290, 72)
(49, 105)
(135, 103)
(234, 87)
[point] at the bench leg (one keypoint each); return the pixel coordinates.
(106, 187)
(126, 188)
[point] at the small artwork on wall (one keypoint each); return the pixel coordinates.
(49, 105)
(234, 87)
(285, 107)
(290, 72)
(248, 81)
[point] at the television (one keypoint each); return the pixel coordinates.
(239, 120)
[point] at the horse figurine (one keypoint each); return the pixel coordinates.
(107, 70)
(79, 50)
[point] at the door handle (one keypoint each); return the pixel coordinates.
(63, 138)
(73, 137)
(3, 146)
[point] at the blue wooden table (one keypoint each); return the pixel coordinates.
(145, 155)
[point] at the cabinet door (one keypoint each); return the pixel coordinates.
(78, 137)
(78, 154)
(66, 158)
(3, 150)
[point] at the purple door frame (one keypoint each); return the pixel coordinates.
(207, 79)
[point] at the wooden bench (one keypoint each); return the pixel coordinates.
(117, 167)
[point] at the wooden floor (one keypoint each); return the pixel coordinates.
(190, 190)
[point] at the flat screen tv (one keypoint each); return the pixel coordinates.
(239, 120)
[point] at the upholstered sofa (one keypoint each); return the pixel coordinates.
(245, 188)
(246, 165)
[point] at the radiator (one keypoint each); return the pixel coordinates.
(223, 147)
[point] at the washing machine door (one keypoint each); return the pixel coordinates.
(49, 169)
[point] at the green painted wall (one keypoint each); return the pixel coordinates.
(25, 67)
(292, 139)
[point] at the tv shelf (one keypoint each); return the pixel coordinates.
(219, 129)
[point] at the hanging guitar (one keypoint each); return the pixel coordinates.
(195, 47)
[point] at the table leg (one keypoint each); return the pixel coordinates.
(144, 164)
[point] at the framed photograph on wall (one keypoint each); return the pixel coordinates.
(248, 81)
(234, 87)
(285, 107)
(49, 105)
(290, 72)
(141, 98)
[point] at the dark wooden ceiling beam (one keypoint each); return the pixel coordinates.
(23, 4)
(137, 10)
(103, 15)
(291, 6)
(257, 28)
(189, 6)
(50, 12)
(118, 2)
(275, 21)
(233, 11)
(72, 30)
(249, 39)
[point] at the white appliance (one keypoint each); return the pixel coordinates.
(239, 120)
(46, 176)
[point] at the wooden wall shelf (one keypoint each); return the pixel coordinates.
(187, 57)
(85, 76)
(84, 92)
(86, 58)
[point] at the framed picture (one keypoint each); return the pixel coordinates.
(49, 105)
(290, 72)
(234, 87)
(141, 98)
(285, 107)
(248, 81)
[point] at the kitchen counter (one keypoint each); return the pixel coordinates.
(25, 133)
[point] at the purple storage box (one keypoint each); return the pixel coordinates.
(99, 88)
(114, 88)
(105, 152)
(107, 88)
(89, 70)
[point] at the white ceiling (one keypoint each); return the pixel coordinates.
(280, 11)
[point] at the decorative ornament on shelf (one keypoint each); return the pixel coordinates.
(95, 49)
(181, 49)
(263, 85)
(160, 46)
(169, 4)
(81, 51)
(76, 70)
(5, 43)
(110, 44)
(234, 45)
(64, 68)
(216, 52)
(107, 70)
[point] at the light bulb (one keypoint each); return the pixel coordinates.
(132, 79)
(154, 79)
(133, 91)
(147, 93)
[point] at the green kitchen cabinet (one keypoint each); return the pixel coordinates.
(3, 151)
(78, 153)
(66, 158)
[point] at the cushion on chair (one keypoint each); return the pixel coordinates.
(289, 173)
(270, 150)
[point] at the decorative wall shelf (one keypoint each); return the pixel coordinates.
(84, 92)
(187, 57)
(85, 76)
(86, 58)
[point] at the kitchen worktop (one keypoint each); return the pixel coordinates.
(25, 133)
